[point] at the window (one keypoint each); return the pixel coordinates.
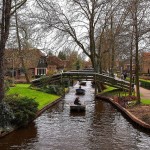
(41, 71)
(41, 61)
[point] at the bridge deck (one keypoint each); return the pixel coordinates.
(86, 75)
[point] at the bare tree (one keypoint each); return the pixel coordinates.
(8, 9)
(110, 35)
(139, 19)
(79, 22)
(19, 48)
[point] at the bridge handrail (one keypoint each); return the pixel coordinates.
(87, 75)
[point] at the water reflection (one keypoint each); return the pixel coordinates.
(100, 127)
(19, 138)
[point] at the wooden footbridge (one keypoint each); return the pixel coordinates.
(84, 75)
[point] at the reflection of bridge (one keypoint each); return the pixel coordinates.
(83, 75)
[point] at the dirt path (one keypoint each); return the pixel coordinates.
(145, 93)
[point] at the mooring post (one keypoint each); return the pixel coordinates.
(63, 88)
(95, 85)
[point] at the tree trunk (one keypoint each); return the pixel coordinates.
(2, 91)
(112, 46)
(5, 23)
(20, 51)
(131, 73)
(137, 54)
(137, 72)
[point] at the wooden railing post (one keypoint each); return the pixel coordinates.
(95, 84)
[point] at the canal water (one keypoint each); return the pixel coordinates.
(101, 127)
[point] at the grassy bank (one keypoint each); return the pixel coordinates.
(111, 91)
(108, 90)
(42, 98)
(145, 101)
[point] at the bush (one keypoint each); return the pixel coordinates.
(24, 109)
(145, 83)
(6, 115)
(53, 89)
(6, 84)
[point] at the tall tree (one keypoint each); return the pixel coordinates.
(139, 19)
(79, 22)
(5, 22)
(62, 55)
(6, 12)
(19, 47)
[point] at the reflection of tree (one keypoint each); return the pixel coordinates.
(20, 137)
(99, 108)
(103, 111)
(58, 107)
(101, 128)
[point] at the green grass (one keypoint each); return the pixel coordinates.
(112, 91)
(42, 98)
(148, 81)
(145, 101)
(108, 89)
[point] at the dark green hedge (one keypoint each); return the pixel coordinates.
(23, 108)
(145, 83)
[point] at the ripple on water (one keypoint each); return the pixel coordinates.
(100, 127)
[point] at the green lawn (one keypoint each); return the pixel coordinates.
(145, 101)
(42, 98)
(148, 81)
(111, 91)
(108, 89)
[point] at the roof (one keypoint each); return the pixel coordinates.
(54, 60)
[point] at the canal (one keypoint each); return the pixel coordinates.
(101, 127)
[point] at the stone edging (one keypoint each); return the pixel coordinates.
(126, 112)
(47, 107)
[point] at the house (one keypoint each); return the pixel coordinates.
(41, 68)
(48, 65)
(13, 65)
(124, 65)
(145, 62)
(36, 63)
(53, 60)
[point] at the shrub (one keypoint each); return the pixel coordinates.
(145, 83)
(51, 72)
(53, 89)
(6, 84)
(24, 109)
(6, 115)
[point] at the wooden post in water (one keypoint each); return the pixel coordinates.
(62, 86)
(95, 85)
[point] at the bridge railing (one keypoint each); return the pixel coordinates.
(97, 77)
(46, 80)
(83, 75)
(112, 81)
